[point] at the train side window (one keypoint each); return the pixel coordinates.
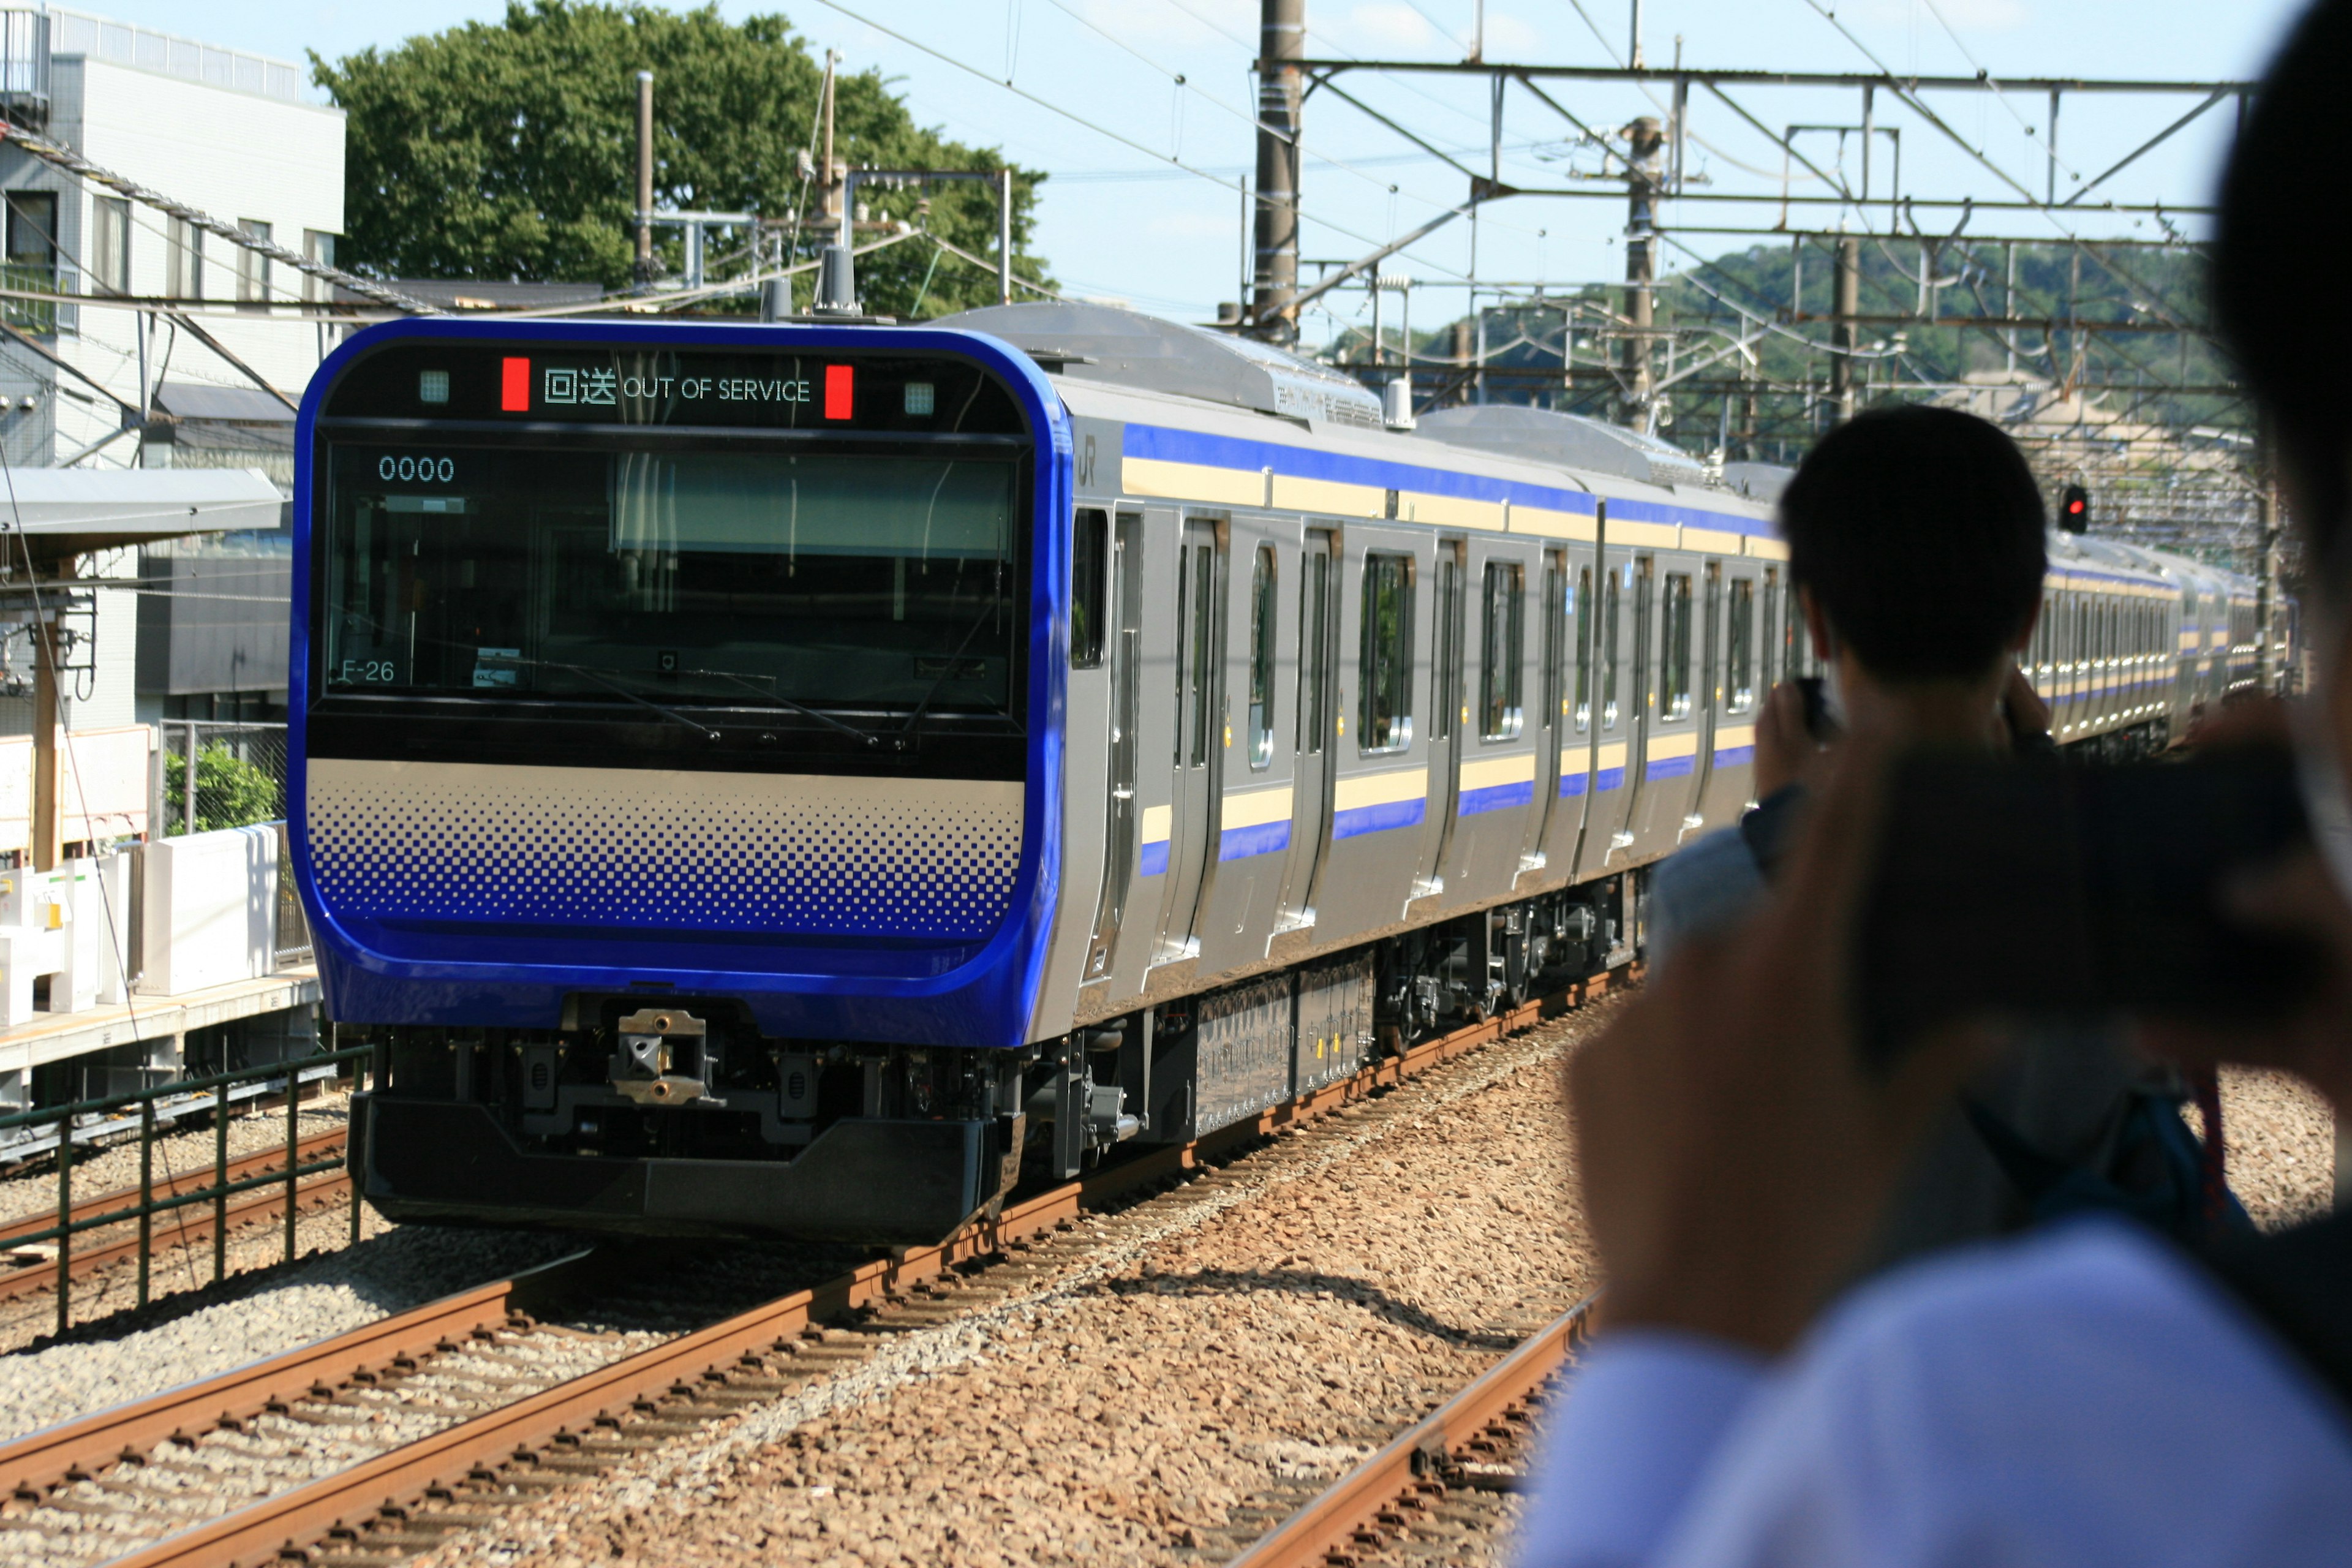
(1796, 647)
(1313, 638)
(1740, 666)
(1555, 635)
(1609, 690)
(1675, 652)
(1446, 687)
(1385, 721)
(1769, 676)
(1196, 611)
(1260, 677)
(1502, 667)
(1580, 624)
(1090, 588)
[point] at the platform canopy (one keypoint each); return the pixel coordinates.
(66, 512)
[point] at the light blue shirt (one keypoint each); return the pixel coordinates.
(1707, 884)
(2082, 1396)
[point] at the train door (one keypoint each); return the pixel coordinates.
(1639, 633)
(1380, 775)
(1123, 650)
(1448, 712)
(1317, 704)
(1550, 711)
(1708, 681)
(1257, 793)
(1670, 717)
(1564, 834)
(1729, 747)
(1199, 721)
(1495, 753)
(1614, 708)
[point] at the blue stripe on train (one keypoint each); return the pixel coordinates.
(1574, 784)
(1240, 842)
(1155, 858)
(1668, 768)
(1496, 797)
(1733, 756)
(1606, 779)
(1361, 819)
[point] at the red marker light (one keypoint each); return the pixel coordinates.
(838, 388)
(514, 385)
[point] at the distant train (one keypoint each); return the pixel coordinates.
(783, 780)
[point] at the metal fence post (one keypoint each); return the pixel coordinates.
(220, 1184)
(293, 1136)
(65, 1221)
(146, 1192)
(352, 1171)
(188, 779)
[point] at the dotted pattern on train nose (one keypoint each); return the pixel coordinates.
(939, 868)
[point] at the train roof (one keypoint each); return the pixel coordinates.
(1570, 441)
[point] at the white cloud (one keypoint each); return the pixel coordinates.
(1387, 25)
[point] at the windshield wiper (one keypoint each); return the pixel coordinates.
(602, 679)
(748, 683)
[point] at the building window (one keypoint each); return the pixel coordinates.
(252, 266)
(184, 260)
(109, 244)
(1385, 723)
(1261, 673)
(32, 230)
(317, 247)
(1502, 667)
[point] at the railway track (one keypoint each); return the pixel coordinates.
(377, 1444)
(1437, 1481)
(191, 1225)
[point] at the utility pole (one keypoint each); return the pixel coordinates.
(645, 178)
(1645, 138)
(46, 658)
(1281, 43)
(837, 285)
(1842, 329)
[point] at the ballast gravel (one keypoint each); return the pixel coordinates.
(2278, 1141)
(32, 1189)
(322, 1296)
(1169, 1396)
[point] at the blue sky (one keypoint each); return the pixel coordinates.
(1122, 219)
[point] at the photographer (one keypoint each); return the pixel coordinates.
(1916, 547)
(2088, 1393)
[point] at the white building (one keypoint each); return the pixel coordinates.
(137, 385)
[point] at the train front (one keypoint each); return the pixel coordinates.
(674, 713)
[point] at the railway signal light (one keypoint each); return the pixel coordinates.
(2075, 511)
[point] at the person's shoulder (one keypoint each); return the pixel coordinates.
(1707, 877)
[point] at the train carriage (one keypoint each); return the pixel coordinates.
(790, 780)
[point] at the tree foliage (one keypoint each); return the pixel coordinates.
(230, 791)
(508, 151)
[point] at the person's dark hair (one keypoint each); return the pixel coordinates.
(2285, 229)
(1920, 532)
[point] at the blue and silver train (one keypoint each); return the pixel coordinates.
(791, 780)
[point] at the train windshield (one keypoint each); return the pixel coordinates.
(840, 581)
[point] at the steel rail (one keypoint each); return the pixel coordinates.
(399, 1478)
(1343, 1521)
(263, 1201)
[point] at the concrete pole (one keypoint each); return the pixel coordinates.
(1004, 237)
(44, 743)
(1282, 42)
(645, 177)
(1645, 138)
(1842, 335)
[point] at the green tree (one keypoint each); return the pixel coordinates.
(508, 151)
(230, 791)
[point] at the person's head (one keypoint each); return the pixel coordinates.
(1917, 536)
(2286, 225)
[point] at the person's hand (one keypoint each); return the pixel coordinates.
(1734, 1153)
(2023, 711)
(1785, 750)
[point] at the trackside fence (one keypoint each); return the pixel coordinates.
(62, 1130)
